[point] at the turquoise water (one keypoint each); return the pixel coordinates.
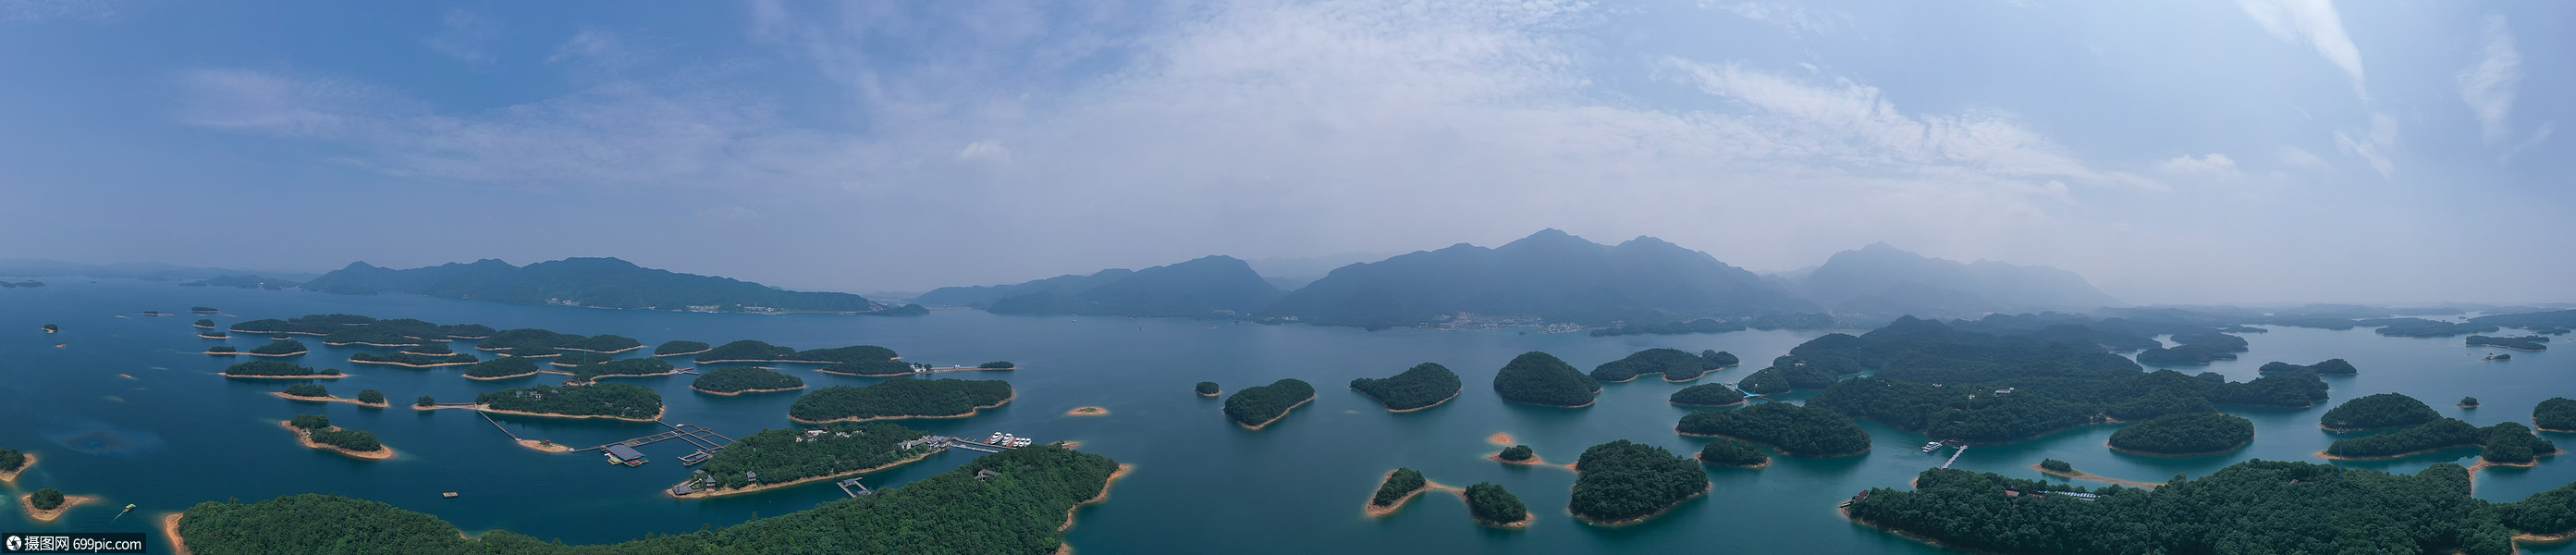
(176, 434)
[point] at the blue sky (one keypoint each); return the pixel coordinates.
(2250, 151)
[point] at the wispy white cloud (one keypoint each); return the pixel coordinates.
(1855, 124)
(2299, 158)
(2489, 85)
(2314, 24)
(467, 36)
(2374, 145)
(1796, 17)
(595, 46)
(2212, 166)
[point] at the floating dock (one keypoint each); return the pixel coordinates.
(854, 483)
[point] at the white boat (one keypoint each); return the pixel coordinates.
(1930, 447)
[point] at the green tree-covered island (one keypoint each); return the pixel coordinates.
(1797, 431)
(1539, 378)
(316, 432)
(1258, 407)
(2190, 434)
(1674, 365)
(2384, 411)
(781, 458)
(1424, 386)
(898, 399)
(736, 380)
(1623, 482)
(608, 400)
(271, 369)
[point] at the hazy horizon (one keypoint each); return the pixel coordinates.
(2252, 152)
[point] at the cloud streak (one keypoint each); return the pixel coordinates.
(2489, 85)
(2314, 24)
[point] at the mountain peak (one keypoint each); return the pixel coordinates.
(1548, 238)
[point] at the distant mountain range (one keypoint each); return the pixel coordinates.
(1199, 287)
(594, 282)
(153, 271)
(1557, 277)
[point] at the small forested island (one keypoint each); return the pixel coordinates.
(275, 369)
(50, 328)
(204, 323)
(781, 458)
(1399, 487)
(998, 365)
(415, 360)
(1257, 407)
(854, 353)
(1207, 389)
(2468, 402)
(879, 367)
(736, 380)
(1025, 509)
(1701, 325)
(576, 358)
(746, 350)
(501, 368)
(2524, 343)
(1517, 454)
(2499, 357)
(13, 463)
(1674, 364)
(1793, 372)
(316, 432)
(222, 350)
(1707, 395)
(48, 504)
(2419, 327)
(898, 399)
(531, 352)
(2558, 414)
(2189, 434)
(2330, 367)
(1797, 431)
(288, 347)
(307, 391)
(2250, 507)
(2508, 443)
(1493, 506)
(1728, 452)
(1539, 378)
(677, 348)
(623, 367)
(608, 400)
(310, 324)
(1424, 386)
(529, 338)
(1623, 482)
(2382, 411)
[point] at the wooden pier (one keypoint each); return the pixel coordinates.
(1954, 456)
(854, 483)
(706, 440)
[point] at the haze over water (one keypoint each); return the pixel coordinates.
(176, 434)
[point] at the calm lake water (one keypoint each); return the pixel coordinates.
(175, 434)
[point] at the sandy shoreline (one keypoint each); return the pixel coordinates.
(1275, 419)
(2231, 449)
(2330, 457)
(1087, 411)
(28, 502)
(1596, 398)
(969, 412)
(392, 363)
(600, 352)
(1219, 392)
(170, 529)
(657, 416)
(1103, 497)
(686, 353)
(694, 387)
(705, 494)
(303, 377)
(307, 440)
(283, 395)
(1737, 403)
(1863, 451)
(348, 343)
(546, 447)
(1372, 509)
(12, 476)
(2322, 426)
(1442, 401)
(2080, 475)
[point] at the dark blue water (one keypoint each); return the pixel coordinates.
(175, 434)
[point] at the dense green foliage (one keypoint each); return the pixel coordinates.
(2330, 367)
(1728, 452)
(202, 308)
(370, 396)
(2056, 465)
(1541, 379)
(1623, 480)
(997, 365)
(11, 460)
(1402, 482)
(2524, 343)
(1707, 395)
(1516, 453)
(736, 379)
(275, 368)
(1797, 431)
(608, 399)
(1550, 275)
(855, 353)
(363, 442)
(307, 390)
(622, 367)
(2251, 507)
(1256, 406)
(879, 367)
(222, 349)
(677, 347)
(374, 334)
(205, 323)
(503, 367)
(1212, 286)
(1701, 325)
(2190, 433)
(2381, 411)
(2555, 414)
(414, 359)
(1424, 385)
(2468, 402)
(744, 350)
(1675, 364)
(429, 348)
(287, 347)
(318, 324)
(46, 499)
(952, 513)
(424, 401)
(1490, 504)
(1793, 372)
(900, 398)
(2548, 512)
(1972, 413)
(575, 358)
(1206, 388)
(309, 421)
(2418, 327)
(529, 338)
(2510, 442)
(2185, 354)
(780, 456)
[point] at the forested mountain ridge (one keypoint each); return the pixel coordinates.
(596, 282)
(1549, 275)
(1883, 281)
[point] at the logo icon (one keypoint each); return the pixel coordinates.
(13, 542)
